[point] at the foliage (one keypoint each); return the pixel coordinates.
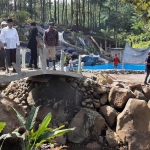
(2, 126)
(142, 6)
(33, 138)
(20, 16)
(116, 18)
(91, 49)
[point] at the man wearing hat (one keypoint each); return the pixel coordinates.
(33, 44)
(2, 52)
(10, 39)
(50, 39)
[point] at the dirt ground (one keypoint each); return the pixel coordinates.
(128, 78)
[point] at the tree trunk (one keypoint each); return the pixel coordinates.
(15, 5)
(91, 20)
(88, 13)
(83, 13)
(43, 11)
(63, 12)
(66, 22)
(77, 14)
(58, 13)
(99, 18)
(72, 12)
(50, 9)
(30, 8)
(41, 5)
(55, 11)
(24, 5)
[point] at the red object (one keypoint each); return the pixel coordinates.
(116, 60)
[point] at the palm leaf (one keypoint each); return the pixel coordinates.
(31, 119)
(18, 134)
(43, 125)
(53, 134)
(2, 126)
(20, 117)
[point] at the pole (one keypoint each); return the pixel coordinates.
(23, 59)
(62, 61)
(79, 64)
(82, 65)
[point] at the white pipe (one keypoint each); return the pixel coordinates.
(82, 65)
(23, 59)
(79, 64)
(62, 61)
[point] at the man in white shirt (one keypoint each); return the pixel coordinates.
(10, 39)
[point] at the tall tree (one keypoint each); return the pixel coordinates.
(63, 8)
(55, 11)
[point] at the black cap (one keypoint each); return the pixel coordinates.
(51, 23)
(9, 20)
(33, 23)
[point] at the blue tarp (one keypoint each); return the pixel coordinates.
(135, 55)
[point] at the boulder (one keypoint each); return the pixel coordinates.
(96, 104)
(110, 114)
(61, 140)
(17, 100)
(112, 138)
(101, 80)
(136, 87)
(56, 95)
(88, 100)
(148, 103)
(104, 99)
(30, 99)
(8, 116)
(147, 92)
(83, 103)
(93, 146)
(133, 125)
(104, 79)
(139, 95)
(118, 84)
(119, 96)
(88, 124)
(101, 90)
(11, 96)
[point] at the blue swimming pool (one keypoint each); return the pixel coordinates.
(111, 66)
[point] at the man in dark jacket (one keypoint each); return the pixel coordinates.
(147, 62)
(33, 45)
(50, 39)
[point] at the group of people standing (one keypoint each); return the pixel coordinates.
(50, 39)
(9, 43)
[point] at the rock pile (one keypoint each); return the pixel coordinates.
(115, 115)
(18, 92)
(119, 72)
(124, 108)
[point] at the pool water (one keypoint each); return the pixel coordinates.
(120, 66)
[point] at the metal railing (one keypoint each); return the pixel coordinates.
(42, 60)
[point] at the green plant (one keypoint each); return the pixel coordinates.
(20, 16)
(31, 138)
